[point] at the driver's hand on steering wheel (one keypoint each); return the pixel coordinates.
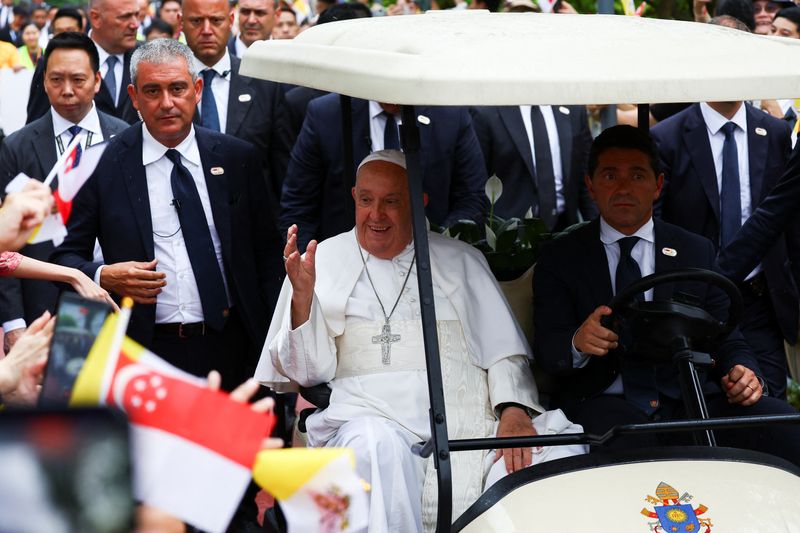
(742, 386)
(592, 338)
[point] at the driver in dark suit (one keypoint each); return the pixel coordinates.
(577, 275)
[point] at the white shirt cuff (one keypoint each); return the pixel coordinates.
(579, 359)
(11, 325)
(97, 274)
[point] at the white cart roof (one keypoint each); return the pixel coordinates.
(482, 58)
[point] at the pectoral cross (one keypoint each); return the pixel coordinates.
(385, 339)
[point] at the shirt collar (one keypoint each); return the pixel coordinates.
(91, 122)
(714, 121)
(103, 55)
(375, 109)
(609, 235)
(222, 67)
(152, 150)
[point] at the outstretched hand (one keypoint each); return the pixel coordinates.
(300, 269)
(242, 394)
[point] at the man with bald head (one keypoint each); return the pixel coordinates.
(114, 26)
(256, 21)
(238, 105)
(348, 316)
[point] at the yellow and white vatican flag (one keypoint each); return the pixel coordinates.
(318, 488)
(193, 448)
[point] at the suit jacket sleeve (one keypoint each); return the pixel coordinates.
(555, 316)
(467, 197)
(11, 306)
(280, 147)
(267, 244)
(77, 250)
(301, 196)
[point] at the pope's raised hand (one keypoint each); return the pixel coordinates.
(302, 275)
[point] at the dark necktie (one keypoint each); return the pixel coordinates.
(545, 178)
(209, 118)
(75, 130)
(391, 139)
(111, 78)
(730, 199)
(638, 377)
(199, 245)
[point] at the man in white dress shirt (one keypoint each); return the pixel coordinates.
(179, 213)
(327, 329)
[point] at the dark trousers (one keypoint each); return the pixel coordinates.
(761, 331)
(228, 351)
(598, 415)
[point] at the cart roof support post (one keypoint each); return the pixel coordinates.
(409, 134)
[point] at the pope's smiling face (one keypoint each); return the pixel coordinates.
(383, 209)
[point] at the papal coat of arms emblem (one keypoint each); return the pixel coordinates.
(674, 513)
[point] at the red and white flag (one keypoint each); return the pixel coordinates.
(193, 448)
(73, 168)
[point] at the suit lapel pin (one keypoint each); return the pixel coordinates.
(564, 110)
(422, 119)
(669, 252)
(245, 97)
(216, 171)
(761, 131)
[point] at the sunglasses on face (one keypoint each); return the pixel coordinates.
(767, 7)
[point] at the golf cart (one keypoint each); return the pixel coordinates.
(461, 58)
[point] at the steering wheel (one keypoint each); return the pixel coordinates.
(652, 327)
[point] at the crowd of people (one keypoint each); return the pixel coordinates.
(223, 207)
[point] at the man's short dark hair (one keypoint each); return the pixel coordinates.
(791, 14)
(73, 40)
(21, 10)
(336, 12)
(739, 9)
(41, 7)
(159, 25)
(161, 4)
(69, 12)
(626, 137)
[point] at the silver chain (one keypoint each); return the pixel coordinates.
(372, 284)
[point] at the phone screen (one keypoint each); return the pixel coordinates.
(78, 322)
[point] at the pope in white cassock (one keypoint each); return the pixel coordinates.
(348, 315)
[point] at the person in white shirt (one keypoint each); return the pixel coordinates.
(179, 212)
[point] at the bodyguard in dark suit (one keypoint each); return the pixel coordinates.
(713, 181)
(71, 67)
(241, 106)
(315, 195)
(577, 276)
(539, 153)
(114, 26)
(186, 235)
